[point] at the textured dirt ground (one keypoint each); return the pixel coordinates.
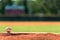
(48, 36)
(13, 23)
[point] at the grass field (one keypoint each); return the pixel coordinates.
(31, 26)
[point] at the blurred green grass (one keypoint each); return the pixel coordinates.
(49, 28)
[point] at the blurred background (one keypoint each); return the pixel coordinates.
(37, 8)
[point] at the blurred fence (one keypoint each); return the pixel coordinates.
(29, 18)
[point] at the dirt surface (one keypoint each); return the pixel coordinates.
(47, 36)
(22, 36)
(14, 23)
